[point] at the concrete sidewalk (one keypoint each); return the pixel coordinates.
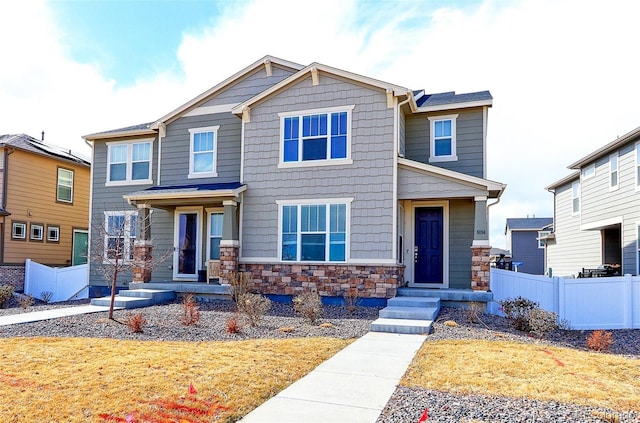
(55, 313)
(353, 386)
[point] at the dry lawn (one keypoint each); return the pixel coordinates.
(106, 380)
(527, 370)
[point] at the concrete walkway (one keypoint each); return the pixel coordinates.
(55, 313)
(353, 386)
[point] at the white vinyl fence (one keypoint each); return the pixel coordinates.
(585, 303)
(66, 283)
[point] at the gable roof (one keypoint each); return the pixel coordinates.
(528, 223)
(33, 145)
(630, 136)
(314, 69)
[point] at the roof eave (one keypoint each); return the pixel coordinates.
(608, 148)
(151, 195)
(563, 181)
(451, 106)
(107, 135)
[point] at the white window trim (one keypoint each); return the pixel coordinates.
(432, 145)
(541, 242)
(57, 231)
(591, 169)
(14, 225)
(32, 235)
(326, 202)
(617, 160)
(309, 163)
(129, 180)
(64, 200)
(128, 214)
(637, 167)
(214, 173)
(209, 212)
(579, 197)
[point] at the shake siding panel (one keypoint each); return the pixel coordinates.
(461, 222)
(368, 180)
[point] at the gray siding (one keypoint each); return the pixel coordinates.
(469, 141)
(369, 180)
(461, 221)
(414, 184)
(249, 86)
(176, 144)
(524, 248)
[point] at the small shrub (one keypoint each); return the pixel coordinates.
(286, 329)
(542, 322)
(6, 291)
(517, 311)
(46, 296)
(600, 340)
(25, 301)
(136, 323)
(351, 299)
(451, 323)
(472, 313)
(254, 306)
(239, 282)
(309, 305)
(326, 325)
(234, 325)
(190, 311)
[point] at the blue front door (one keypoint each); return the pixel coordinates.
(428, 250)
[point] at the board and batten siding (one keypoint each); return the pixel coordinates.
(469, 140)
(572, 248)
(32, 182)
(369, 180)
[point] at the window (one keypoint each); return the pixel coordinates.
(542, 242)
(216, 222)
(19, 230)
(589, 171)
(65, 185)
(129, 163)
(575, 196)
(314, 232)
(53, 233)
(613, 171)
(37, 232)
(320, 136)
(202, 157)
(120, 234)
(443, 138)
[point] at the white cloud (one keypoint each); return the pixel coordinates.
(562, 73)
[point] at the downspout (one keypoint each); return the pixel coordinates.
(5, 186)
(162, 132)
(396, 141)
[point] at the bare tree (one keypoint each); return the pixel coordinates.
(113, 242)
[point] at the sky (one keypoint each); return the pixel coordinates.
(563, 74)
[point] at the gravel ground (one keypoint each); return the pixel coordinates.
(406, 404)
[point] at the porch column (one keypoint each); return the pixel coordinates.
(480, 249)
(142, 246)
(230, 244)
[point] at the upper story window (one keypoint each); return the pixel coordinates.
(575, 197)
(119, 234)
(64, 192)
(314, 232)
(129, 163)
(203, 152)
(541, 235)
(443, 138)
(613, 171)
(589, 171)
(316, 137)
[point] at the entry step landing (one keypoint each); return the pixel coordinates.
(408, 315)
(137, 298)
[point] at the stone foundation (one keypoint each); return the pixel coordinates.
(329, 280)
(480, 270)
(229, 255)
(142, 261)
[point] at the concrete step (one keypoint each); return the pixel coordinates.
(452, 295)
(136, 298)
(409, 313)
(413, 302)
(401, 326)
(158, 295)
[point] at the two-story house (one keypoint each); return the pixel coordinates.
(526, 240)
(597, 211)
(45, 206)
(309, 177)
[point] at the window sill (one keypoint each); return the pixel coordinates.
(126, 183)
(439, 159)
(313, 163)
(202, 175)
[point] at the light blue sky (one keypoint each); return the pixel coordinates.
(562, 72)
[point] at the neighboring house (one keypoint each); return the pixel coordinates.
(526, 241)
(597, 211)
(309, 177)
(45, 204)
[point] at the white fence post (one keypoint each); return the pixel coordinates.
(27, 273)
(628, 301)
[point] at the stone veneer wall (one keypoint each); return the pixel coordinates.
(12, 275)
(480, 271)
(142, 261)
(327, 279)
